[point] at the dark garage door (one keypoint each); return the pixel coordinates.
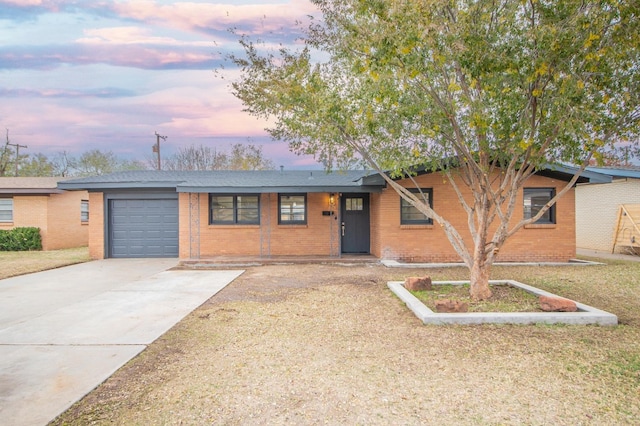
(143, 228)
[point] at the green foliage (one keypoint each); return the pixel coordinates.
(487, 92)
(37, 165)
(20, 239)
(407, 83)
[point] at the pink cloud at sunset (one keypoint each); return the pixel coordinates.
(84, 75)
(255, 18)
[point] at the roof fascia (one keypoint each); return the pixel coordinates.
(31, 191)
(277, 189)
(116, 186)
(564, 173)
(567, 172)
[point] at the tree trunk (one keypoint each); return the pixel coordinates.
(480, 289)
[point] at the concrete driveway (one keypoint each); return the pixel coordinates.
(64, 331)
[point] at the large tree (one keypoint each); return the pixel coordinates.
(486, 92)
(37, 165)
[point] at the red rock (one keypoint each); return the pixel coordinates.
(557, 304)
(448, 305)
(417, 283)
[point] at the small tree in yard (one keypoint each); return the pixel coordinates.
(485, 92)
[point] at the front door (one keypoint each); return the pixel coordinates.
(355, 223)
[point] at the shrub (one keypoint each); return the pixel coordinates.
(20, 239)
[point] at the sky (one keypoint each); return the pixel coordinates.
(108, 74)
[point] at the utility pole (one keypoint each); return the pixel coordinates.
(156, 147)
(18, 146)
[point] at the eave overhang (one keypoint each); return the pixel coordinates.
(277, 189)
(30, 191)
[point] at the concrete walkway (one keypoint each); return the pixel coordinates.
(607, 255)
(64, 331)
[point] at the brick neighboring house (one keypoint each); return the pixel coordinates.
(197, 215)
(62, 216)
(598, 204)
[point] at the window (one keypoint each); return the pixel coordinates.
(234, 209)
(6, 209)
(292, 208)
(354, 204)
(84, 211)
(535, 199)
(409, 215)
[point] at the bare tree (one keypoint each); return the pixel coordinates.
(196, 158)
(241, 157)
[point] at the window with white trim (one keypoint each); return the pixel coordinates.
(6, 209)
(292, 209)
(84, 211)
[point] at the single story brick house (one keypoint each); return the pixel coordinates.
(598, 207)
(207, 214)
(62, 216)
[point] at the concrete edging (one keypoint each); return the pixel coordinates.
(573, 262)
(586, 314)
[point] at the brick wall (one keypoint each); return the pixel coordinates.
(267, 239)
(57, 216)
(320, 236)
(429, 243)
(597, 209)
(96, 225)
(64, 225)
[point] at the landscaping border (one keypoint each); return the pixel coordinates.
(584, 316)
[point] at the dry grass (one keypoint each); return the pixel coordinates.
(504, 298)
(311, 344)
(25, 262)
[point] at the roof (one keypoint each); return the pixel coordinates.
(233, 181)
(566, 173)
(560, 172)
(30, 185)
(265, 181)
(617, 171)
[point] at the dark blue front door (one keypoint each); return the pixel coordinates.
(355, 223)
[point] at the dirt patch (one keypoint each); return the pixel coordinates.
(310, 344)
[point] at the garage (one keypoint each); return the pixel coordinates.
(143, 227)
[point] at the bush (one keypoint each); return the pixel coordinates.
(20, 239)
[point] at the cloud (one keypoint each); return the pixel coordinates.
(151, 57)
(214, 17)
(167, 36)
(107, 74)
(106, 92)
(207, 17)
(133, 35)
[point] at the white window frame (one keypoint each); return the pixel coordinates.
(6, 210)
(84, 211)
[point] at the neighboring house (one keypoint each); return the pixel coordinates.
(194, 215)
(598, 205)
(62, 216)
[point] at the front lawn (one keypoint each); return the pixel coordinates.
(25, 262)
(330, 344)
